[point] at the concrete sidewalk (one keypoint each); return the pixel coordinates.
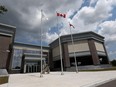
(55, 79)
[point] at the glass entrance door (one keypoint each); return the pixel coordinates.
(32, 67)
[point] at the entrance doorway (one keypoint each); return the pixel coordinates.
(32, 63)
(32, 67)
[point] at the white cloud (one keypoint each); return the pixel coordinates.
(89, 18)
(108, 29)
(95, 14)
(28, 12)
(51, 37)
(69, 9)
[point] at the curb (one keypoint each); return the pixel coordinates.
(98, 83)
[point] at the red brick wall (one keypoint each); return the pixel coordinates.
(5, 41)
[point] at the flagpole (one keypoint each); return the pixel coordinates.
(73, 50)
(41, 46)
(60, 49)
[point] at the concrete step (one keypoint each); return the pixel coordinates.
(90, 67)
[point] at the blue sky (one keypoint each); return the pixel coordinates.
(86, 15)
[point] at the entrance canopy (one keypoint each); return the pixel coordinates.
(34, 57)
(32, 62)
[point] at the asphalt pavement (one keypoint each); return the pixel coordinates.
(109, 84)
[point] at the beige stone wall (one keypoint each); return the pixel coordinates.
(56, 51)
(99, 46)
(78, 46)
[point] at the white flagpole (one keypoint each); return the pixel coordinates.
(60, 50)
(41, 46)
(73, 50)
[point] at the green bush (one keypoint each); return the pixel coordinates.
(113, 62)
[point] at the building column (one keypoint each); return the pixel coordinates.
(50, 60)
(24, 67)
(11, 60)
(106, 53)
(65, 55)
(93, 51)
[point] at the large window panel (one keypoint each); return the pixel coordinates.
(17, 58)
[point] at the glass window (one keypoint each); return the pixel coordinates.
(32, 51)
(17, 58)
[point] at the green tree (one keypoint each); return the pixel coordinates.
(113, 62)
(2, 9)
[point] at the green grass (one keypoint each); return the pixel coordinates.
(108, 69)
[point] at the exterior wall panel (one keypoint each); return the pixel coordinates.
(78, 46)
(99, 46)
(56, 51)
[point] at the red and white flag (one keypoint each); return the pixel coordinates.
(61, 15)
(71, 25)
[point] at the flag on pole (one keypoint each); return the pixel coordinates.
(60, 47)
(61, 15)
(71, 25)
(44, 15)
(73, 47)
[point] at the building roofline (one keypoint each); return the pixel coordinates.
(6, 25)
(81, 33)
(30, 45)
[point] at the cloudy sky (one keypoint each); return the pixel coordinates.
(86, 15)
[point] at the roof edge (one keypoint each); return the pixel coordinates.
(2, 24)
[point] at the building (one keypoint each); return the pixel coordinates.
(26, 58)
(88, 46)
(7, 35)
(18, 57)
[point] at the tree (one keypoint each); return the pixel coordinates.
(2, 9)
(113, 62)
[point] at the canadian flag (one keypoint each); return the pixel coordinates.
(61, 15)
(71, 25)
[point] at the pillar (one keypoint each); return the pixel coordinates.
(65, 55)
(106, 54)
(93, 51)
(25, 67)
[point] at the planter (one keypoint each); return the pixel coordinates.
(3, 76)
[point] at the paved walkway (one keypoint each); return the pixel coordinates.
(55, 79)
